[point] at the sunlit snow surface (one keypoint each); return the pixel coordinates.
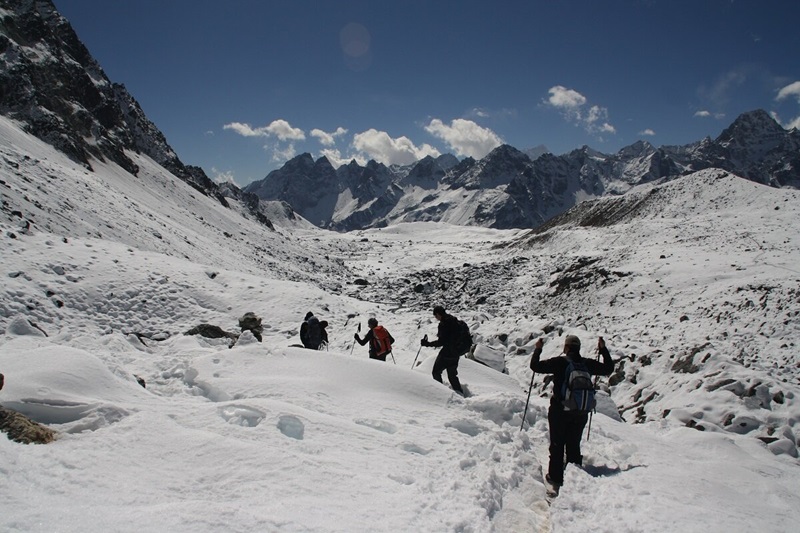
(268, 437)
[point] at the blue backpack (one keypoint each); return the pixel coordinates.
(577, 393)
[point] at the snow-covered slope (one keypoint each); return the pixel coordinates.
(153, 211)
(700, 278)
(267, 437)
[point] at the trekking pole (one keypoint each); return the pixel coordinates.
(354, 342)
(415, 359)
(395, 362)
(525, 414)
(591, 413)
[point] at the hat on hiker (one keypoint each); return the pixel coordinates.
(572, 340)
(439, 310)
(372, 322)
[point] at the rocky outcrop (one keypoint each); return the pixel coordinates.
(22, 429)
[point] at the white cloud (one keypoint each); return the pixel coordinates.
(704, 114)
(285, 132)
(277, 128)
(328, 139)
(790, 91)
(566, 99)
(337, 160)
(571, 104)
(245, 130)
(605, 127)
(282, 154)
(793, 89)
(465, 137)
(647, 132)
(378, 145)
(221, 177)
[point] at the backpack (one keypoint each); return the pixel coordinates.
(464, 338)
(382, 343)
(250, 321)
(314, 333)
(577, 392)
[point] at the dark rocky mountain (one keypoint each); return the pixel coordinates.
(756, 147)
(50, 83)
(509, 189)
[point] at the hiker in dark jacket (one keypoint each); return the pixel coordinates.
(448, 356)
(312, 333)
(566, 427)
(379, 339)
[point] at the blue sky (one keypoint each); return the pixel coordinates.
(240, 86)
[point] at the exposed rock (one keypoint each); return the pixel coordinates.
(211, 331)
(252, 323)
(20, 428)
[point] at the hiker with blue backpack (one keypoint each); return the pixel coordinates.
(455, 340)
(571, 402)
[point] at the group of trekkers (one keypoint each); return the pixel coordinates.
(573, 391)
(450, 339)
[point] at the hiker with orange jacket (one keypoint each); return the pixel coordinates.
(379, 339)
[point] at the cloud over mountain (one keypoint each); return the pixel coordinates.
(465, 137)
(571, 104)
(380, 146)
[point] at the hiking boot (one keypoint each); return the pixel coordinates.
(552, 482)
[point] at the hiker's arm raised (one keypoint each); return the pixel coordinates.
(366, 339)
(543, 367)
(607, 366)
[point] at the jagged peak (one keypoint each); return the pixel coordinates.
(637, 149)
(506, 150)
(751, 123)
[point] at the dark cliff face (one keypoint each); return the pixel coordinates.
(50, 83)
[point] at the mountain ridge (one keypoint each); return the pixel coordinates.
(514, 191)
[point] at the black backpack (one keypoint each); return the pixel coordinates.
(464, 338)
(577, 392)
(314, 333)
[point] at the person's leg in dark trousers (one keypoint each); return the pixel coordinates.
(438, 367)
(558, 441)
(451, 365)
(452, 375)
(574, 433)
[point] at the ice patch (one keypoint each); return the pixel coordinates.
(291, 426)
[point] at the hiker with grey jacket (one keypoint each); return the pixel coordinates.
(567, 423)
